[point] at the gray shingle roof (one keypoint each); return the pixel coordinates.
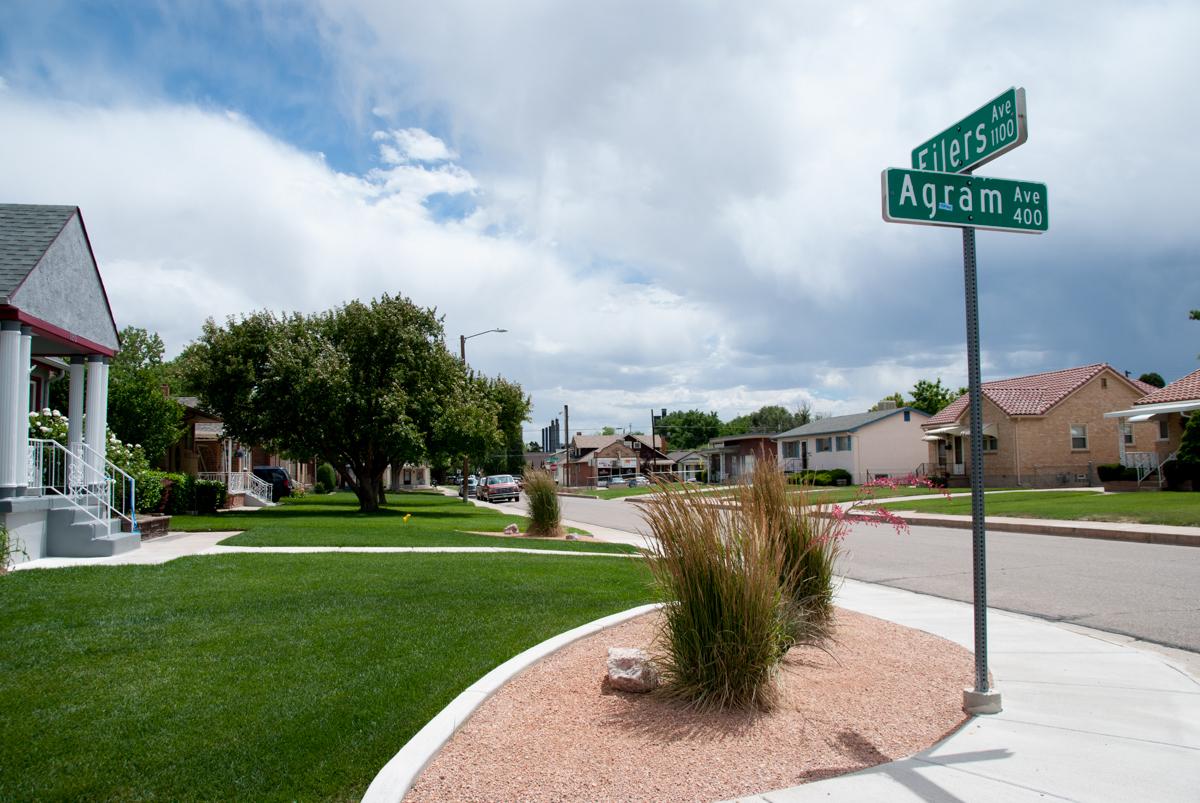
(26, 231)
(843, 423)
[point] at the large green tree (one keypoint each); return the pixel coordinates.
(932, 397)
(1153, 378)
(770, 419)
(360, 387)
(139, 411)
(512, 410)
(687, 429)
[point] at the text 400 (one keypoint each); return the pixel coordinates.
(1030, 217)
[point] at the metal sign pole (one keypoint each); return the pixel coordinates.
(983, 700)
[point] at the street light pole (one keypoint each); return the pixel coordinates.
(462, 354)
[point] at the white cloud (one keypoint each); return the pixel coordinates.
(669, 204)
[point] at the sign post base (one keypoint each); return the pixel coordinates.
(981, 702)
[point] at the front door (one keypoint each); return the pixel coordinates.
(959, 468)
(804, 455)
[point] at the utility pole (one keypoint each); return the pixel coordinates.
(462, 354)
(567, 445)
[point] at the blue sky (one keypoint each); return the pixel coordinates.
(671, 205)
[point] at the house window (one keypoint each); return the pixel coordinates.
(907, 416)
(1164, 429)
(824, 444)
(791, 449)
(843, 443)
(1079, 436)
(990, 443)
(1127, 434)
(637, 444)
(1103, 382)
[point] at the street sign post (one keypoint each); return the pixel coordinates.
(994, 128)
(940, 191)
(950, 199)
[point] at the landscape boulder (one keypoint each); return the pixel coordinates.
(630, 669)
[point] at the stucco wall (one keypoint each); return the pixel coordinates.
(890, 446)
(65, 290)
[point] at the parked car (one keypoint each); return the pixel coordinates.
(498, 488)
(639, 481)
(472, 485)
(617, 481)
(281, 482)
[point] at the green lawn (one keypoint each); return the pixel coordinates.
(1163, 507)
(262, 677)
(852, 493)
(334, 520)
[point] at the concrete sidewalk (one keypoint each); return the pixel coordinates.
(1086, 717)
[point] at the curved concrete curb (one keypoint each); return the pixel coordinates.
(397, 776)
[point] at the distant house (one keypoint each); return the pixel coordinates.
(688, 463)
(1041, 430)
(1165, 410)
(880, 443)
(591, 458)
(732, 457)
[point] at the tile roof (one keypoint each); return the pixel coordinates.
(26, 231)
(1183, 389)
(843, 423)
(1029, 395)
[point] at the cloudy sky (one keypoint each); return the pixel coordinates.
(667, 204)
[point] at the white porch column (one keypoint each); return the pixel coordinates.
(75, 411)
(25, 367)
(12, 406)
(1121, 424)
(97, 393)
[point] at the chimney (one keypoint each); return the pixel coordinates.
(887, 404)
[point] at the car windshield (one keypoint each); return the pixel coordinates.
(500, 478)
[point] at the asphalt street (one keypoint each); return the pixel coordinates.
(1146, 591)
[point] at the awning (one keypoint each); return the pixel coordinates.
(988, 429)
(954, 429)
(932, 438)
(1144, 412)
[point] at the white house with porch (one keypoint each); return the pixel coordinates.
(57, 500)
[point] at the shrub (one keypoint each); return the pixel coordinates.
(209, 495)
(1112, 472)
(840, 474)
(149, 491)
(545, 515)
(725, 623)
(178, 494)
(326, 477)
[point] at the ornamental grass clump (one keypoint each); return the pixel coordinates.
(810, 536)
(726, 619)
(545, 515)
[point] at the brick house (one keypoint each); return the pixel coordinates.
(1166, 410)
(597, 457)
(732, 457)
(1042, 430)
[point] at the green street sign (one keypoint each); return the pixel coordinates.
(953, 199)
(994, 128)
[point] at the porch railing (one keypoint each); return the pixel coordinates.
(241, 482)
(90, 482)
(1145, 463)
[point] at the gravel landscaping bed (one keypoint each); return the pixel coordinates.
(881, 692)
